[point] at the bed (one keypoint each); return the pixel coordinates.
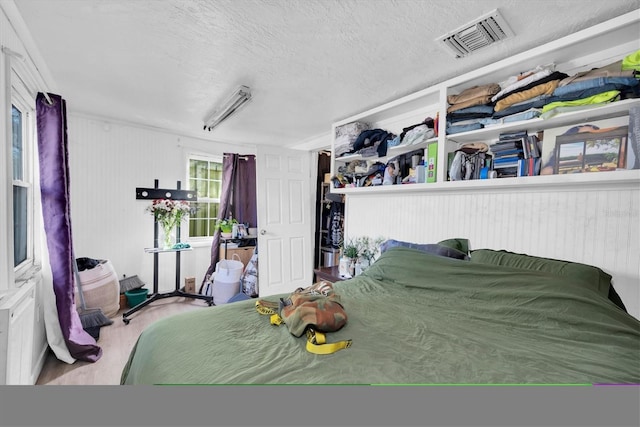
(417, 317)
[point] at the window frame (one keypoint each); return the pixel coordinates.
(22, 100)
(212, 158)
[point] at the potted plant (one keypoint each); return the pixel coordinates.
(360, 253)
(351, 251)
(225, 226)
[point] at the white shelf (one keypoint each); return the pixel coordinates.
(391, 152)
(593, 47)
(574, 182)
(158, 250)
(614, 109)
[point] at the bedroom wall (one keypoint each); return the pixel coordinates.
(108, 160)
(596, 226)
(10, 38)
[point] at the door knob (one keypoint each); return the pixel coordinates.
(263, 232)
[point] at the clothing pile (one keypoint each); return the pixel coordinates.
(525, 93)
(617, 80)
(372, 142)
(346, 135)
(466, 108)
(361, 173)
(415, 134)
(542, 92)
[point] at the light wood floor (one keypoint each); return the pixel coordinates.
(116, 341)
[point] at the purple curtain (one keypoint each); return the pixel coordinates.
(244, 192)
(237, 198)
(54, 186)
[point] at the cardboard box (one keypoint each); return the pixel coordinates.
(190, 285)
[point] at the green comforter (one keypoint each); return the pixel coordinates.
(414, 318)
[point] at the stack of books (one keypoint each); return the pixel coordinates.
(516, 154)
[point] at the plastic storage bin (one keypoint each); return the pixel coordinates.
(136, 296)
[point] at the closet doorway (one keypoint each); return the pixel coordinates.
(329, 216)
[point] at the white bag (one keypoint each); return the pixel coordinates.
(100, 288)
(249, 280)
(222, 291)
(229, 270)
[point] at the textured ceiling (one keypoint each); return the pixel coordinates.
(166, 63)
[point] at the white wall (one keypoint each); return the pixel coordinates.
(11, 39)
(596, 226)
(108, 160)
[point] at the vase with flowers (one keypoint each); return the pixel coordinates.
(360, 252)
(351, 252)
(169, 213)
(369, 250)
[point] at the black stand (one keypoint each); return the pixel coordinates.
(157, 193)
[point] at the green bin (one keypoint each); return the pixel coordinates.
(136, 296)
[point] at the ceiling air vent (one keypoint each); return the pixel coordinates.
(477, 34)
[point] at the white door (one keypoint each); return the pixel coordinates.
(285, 245)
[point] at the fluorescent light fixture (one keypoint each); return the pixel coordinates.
(240, 97)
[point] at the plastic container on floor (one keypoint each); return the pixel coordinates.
(229, 270)
(136, 296)
(223, 291)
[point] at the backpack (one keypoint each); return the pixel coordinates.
(468, 161)
(314, 310)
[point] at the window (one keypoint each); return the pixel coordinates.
(205, 177)
(20, 191)
(22, 180)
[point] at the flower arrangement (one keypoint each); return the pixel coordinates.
(363, 248)
(369, 248)
(360, 252)
(169, 213)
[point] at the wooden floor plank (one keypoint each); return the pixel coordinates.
(116, 341)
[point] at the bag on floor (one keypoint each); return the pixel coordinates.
(249, 279)
(100, 285)
(229, 270)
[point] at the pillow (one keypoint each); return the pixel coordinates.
(592, 277)
(430, 248)
(458, 244)
(615, 298)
